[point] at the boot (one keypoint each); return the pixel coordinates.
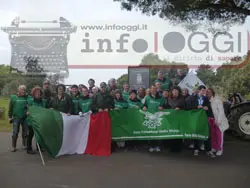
(30, 151)
(24, 142)
(14, 140)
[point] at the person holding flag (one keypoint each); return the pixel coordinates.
(84, 101)
(62, 101)
(38, 101)
(74, 93)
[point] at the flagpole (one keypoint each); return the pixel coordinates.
(41, 155)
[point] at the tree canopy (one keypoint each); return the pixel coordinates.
(192, 12)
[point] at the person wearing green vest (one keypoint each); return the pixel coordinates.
(62, 102)
(84, 100)
(154, 102)
(75, 94)
(125, 92)
(133, 101)
(120, 102)
(141, 94)
(38, 101)
(165, 82)
(17, 116)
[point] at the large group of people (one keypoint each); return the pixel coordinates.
(163, 94)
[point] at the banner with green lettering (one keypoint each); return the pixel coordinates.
(135, 124)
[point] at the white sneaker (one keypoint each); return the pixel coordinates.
(213, 150)
(151, 149)
(196, 152)
(202, 147)
(219, 153)
(191, 146)
(157, 149)
(210, 154)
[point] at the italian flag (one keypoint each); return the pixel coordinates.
(61, 134)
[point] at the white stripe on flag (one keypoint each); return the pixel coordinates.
(75, 134)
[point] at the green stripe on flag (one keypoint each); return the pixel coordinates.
(134, 124)
(48, 128)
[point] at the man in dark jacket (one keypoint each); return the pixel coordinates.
(62, 101)
(200, 101)
(102, 101)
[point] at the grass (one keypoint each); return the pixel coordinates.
(5, 126)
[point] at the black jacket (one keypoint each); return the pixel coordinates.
(102, 101)
(172, 103)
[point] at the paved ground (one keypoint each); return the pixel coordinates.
(126, 170)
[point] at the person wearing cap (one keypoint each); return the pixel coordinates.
(47, 93)
(74, 94)
(85, 101)
(38, 101)
(125, 92)
(120, 103)
(102, 101)
(154, 102)
(62, 101)
(165, 82)
(133, 101)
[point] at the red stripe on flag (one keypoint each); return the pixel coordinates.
(99, 139)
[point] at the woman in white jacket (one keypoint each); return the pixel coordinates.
(220, 121)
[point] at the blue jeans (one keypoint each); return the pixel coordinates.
(16, 127)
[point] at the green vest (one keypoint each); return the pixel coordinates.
(133, 104)
(84, 104)
(39, 103)
(75, 101)
(153, 103)
(18, 106)
(125, 95)
(165, 84)
(121, 104)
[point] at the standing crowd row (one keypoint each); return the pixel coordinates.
(81, 99)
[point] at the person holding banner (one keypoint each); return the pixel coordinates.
(154, 102)
(74, 93)
(176, 102)
(200, 101)
(133, 101)
(62, 101)
(84, 100)
(120, 103)
(38, 101)
(102, 101)
(125, 92)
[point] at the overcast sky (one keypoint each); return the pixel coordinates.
(94, 12)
